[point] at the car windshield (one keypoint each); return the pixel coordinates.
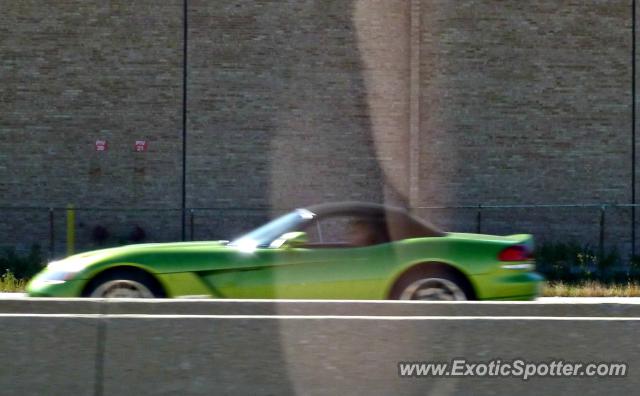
(264, 235)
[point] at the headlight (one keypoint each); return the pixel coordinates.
(56, 276)
(66, 266)
(61, 271)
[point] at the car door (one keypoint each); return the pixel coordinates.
(330, 266)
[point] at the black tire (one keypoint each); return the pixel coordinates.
(124, 278)
(429, 276)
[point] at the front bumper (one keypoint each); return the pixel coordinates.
(44, 288)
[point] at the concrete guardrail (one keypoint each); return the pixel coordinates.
(122, 347)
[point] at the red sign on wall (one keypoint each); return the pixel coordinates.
(101, 145)
(140, 146)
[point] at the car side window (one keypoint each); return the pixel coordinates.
(346, 231)
(314, 232)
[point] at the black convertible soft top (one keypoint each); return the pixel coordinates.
(399, 222)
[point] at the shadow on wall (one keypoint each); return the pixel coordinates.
(293, 103)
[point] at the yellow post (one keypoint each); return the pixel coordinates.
(71, 230)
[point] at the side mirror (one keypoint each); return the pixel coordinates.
(290, 240)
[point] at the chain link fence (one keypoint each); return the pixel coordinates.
(600, 228)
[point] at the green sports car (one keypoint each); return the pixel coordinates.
(330, 251)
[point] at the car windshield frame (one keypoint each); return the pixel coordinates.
(264, 235)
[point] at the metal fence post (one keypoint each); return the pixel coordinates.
(601, 239)
(52, 239)
(479, 220)
(191, 223)
(71, 230)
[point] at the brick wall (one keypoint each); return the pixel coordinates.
(297, 102)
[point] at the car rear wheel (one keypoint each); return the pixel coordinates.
(428, 285)
(123, 284)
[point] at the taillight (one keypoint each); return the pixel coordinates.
(515, 253)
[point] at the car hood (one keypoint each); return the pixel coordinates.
(123, 252)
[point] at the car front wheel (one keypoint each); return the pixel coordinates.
(122, 284)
